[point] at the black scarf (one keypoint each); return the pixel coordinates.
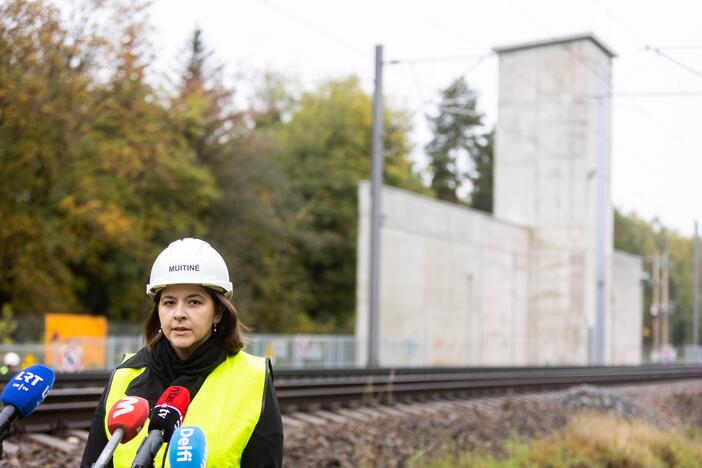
(164, 368)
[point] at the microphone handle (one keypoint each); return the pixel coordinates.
(7, 416)
(148, 450)
(106, 454)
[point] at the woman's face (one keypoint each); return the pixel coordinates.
(187, 313)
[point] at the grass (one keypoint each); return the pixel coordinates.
(589, 440)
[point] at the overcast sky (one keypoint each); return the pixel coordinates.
(657, 149)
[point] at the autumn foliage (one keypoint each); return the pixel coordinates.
(103, 161)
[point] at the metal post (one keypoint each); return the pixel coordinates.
(655, 306)
(696, 288)
(603, 208)
(376, 187)
(665, 309)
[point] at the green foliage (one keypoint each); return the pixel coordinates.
(39, 90)
(481, 173)
(456, 136)
(324, 150)
(273, 102)
(247, 224)
(635, 235)
(8, 324)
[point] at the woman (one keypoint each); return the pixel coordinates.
(193, 339)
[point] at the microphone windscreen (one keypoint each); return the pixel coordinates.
(129, 414)
(188, 448)
(170, 410)
(28, 388)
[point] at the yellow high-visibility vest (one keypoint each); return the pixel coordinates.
(226, 408)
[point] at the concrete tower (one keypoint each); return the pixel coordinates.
(552, 167)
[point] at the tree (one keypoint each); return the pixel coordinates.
(480, 174)
(456, 130)
(44, 83)
(138, 184)
(245, 223)
(204, 105)
(325, 150)
(273, 102)
(98, 178)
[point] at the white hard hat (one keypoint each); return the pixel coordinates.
(189, 261)
(11, 359)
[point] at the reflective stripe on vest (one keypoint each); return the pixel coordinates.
(226, 408)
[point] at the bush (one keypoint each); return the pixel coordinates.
(591, 440)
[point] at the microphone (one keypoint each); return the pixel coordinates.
(23, 394)
(166, 417)
(124, 421)
(187, 448)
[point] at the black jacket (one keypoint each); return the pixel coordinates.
(264, 449)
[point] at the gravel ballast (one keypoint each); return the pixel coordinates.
(397, 435)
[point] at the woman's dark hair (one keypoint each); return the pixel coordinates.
(229, 327)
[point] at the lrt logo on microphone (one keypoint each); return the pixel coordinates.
(185, 450)
(26, 377)
(164, 410)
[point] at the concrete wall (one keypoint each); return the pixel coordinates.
(456, 286)
(453, 283)
(625, 322)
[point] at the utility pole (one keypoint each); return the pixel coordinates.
(603, 210)
(665, 309)
(696, 289)
(376, 188)
(655, 305)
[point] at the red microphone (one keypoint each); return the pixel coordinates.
(166, 417)
(124, 421)
(173, 403)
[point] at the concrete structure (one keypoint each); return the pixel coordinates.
(626, 322)
(459, 287)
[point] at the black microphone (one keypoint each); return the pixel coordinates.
(166, 417)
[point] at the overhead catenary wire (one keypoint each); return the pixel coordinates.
(651, 94)
(598, 70)
(656, 49)
(679, 47)
(479, 59)
(432, 60)
(323, 31)
(613, 94)
(619, 94)
(673, 60)
(417, 81)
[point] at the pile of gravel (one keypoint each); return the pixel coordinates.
(589, 397)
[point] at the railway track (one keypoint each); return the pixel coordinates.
(72, 401)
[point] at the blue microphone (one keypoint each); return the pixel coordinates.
(24, 393)
(188, 448)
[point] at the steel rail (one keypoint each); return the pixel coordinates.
(72, 401)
